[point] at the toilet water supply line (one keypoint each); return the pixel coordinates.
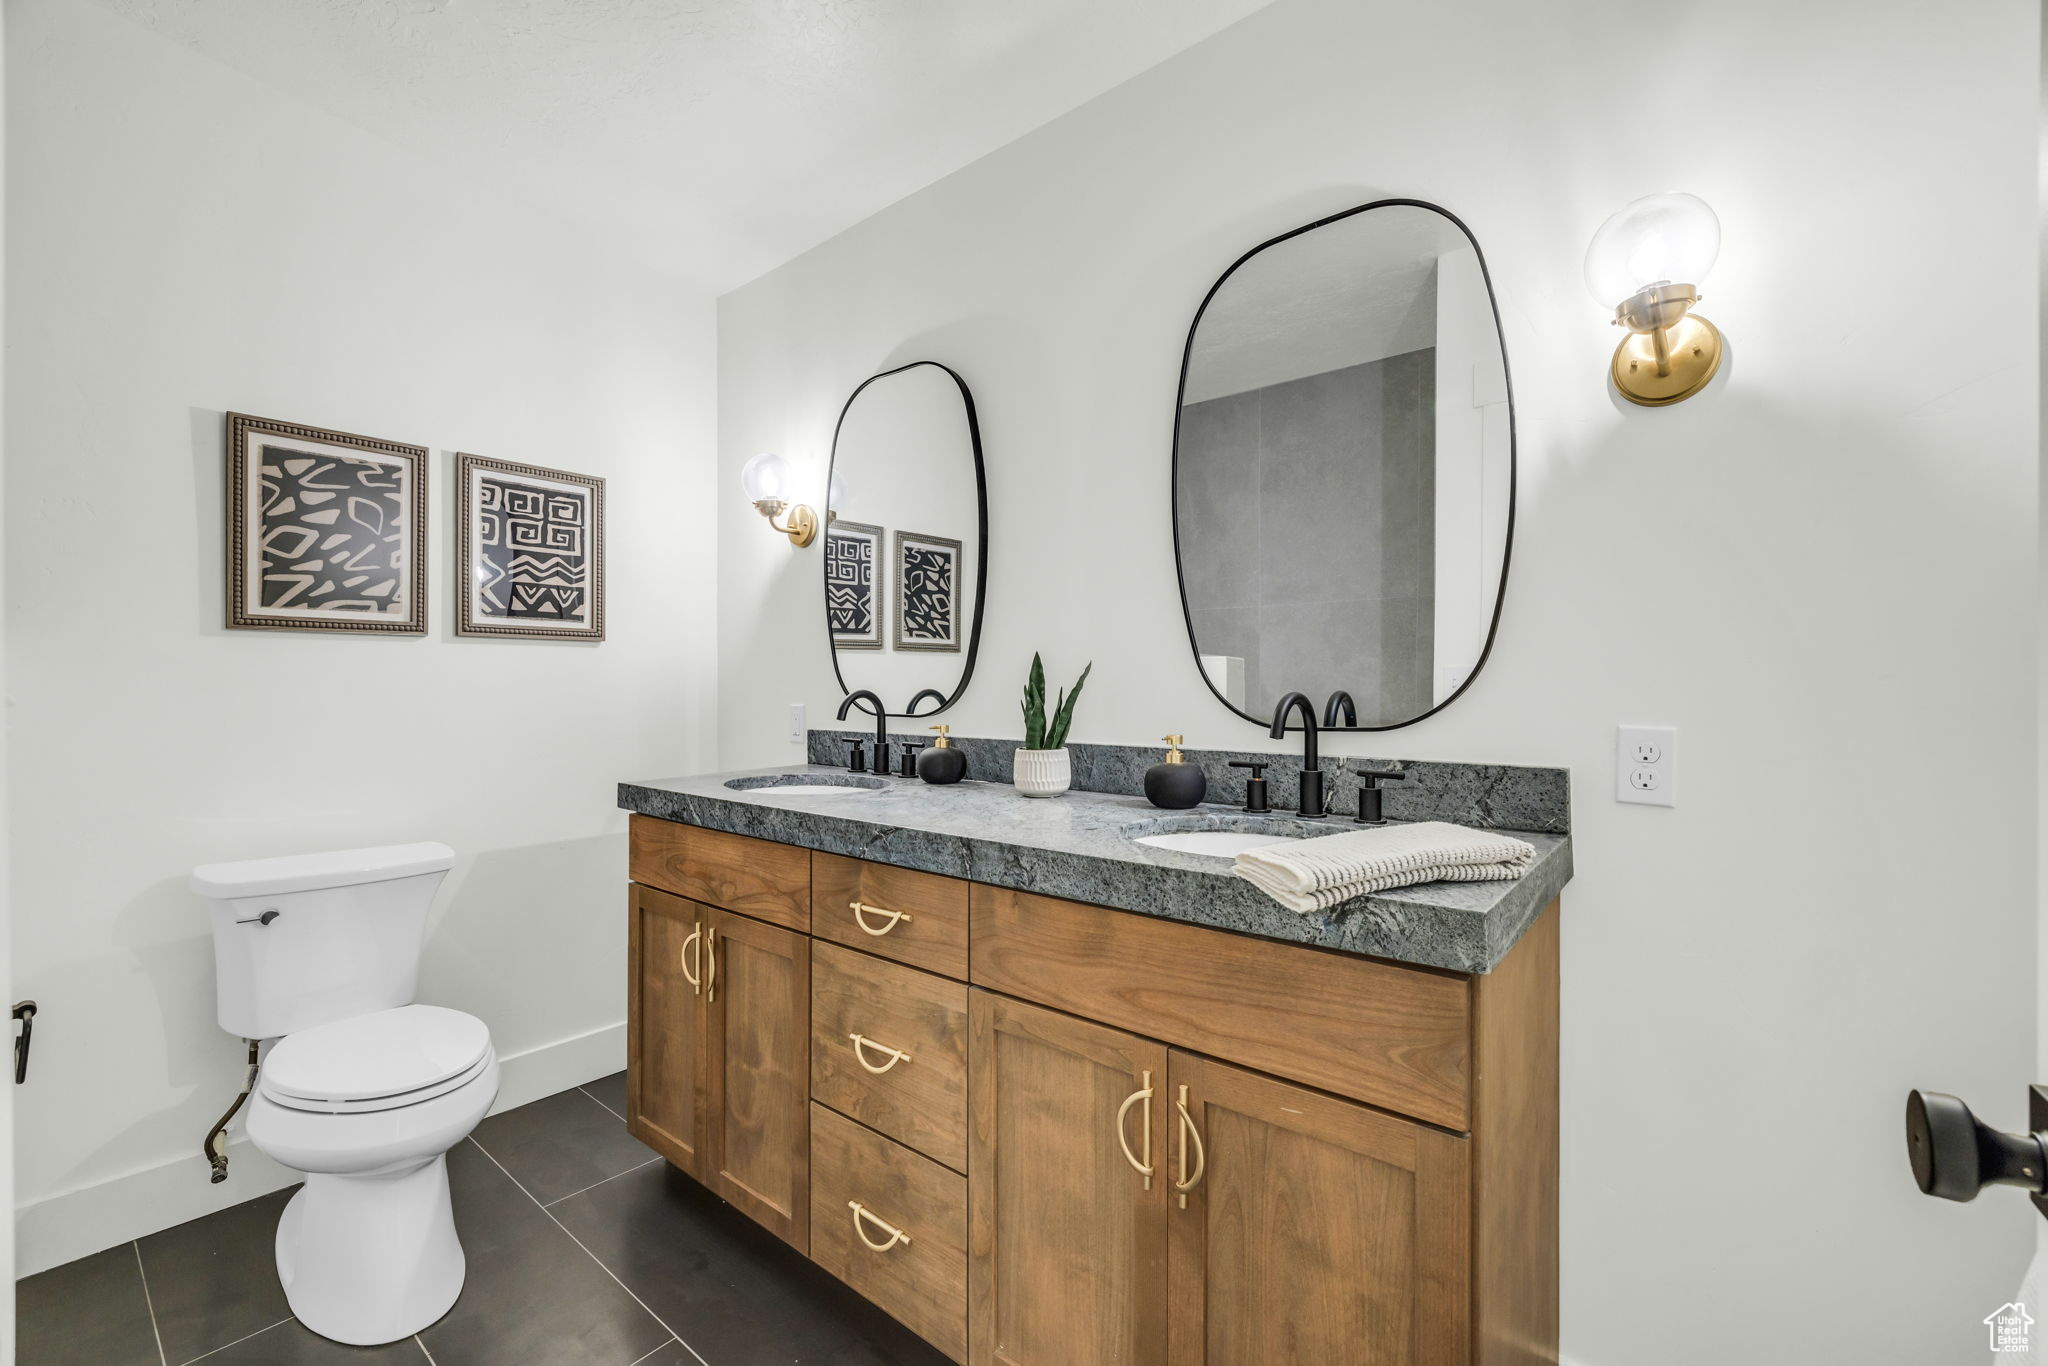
(216, 1148)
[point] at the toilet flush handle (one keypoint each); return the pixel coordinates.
(264, 919)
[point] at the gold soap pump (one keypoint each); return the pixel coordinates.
(941, 764)
(1174, 783)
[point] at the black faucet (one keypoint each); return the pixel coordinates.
(878, 761)
(1311, 775)
(1370, 811)
(933, 693)
(1339, 698)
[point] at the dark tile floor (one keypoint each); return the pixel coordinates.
(584, 1250)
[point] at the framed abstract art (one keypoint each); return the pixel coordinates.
(927, 593)
(853, 585)
(325, 530)
(529, 555)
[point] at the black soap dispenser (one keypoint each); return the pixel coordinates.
(1174, 783)
(942, 764)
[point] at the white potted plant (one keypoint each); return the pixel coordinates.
(1042, 768)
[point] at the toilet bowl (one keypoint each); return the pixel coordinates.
(362, 1089)
(367, 1108)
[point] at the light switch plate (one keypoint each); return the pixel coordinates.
(796, 723)
(1646, 765)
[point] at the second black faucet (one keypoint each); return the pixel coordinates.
(1311, 775)
(878, 761)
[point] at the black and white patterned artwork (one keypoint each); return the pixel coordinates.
(532, 550)
(927, 592)
(853, 585)
(333, 533)
(323, 529)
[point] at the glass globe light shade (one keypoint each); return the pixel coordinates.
(766, 478)
(1659, 239)
(835, 491)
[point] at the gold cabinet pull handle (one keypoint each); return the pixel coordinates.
(1188, 1131)
(861, 1043)
(896, 1235)
(696, 941)
(1144, 1093)
(711, 963)
(860, 911)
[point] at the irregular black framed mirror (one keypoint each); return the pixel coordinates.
(906, 539)
(1344, 469)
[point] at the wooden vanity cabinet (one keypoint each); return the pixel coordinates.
(889, 1048)
(757, 1080)
(893, 1225)
(757, 878)
(1131, 1205)
(1312, 1229)
(665, 1026)
(717, 1048)
(1066, 1190)
(918, 919)
(1110, 1140)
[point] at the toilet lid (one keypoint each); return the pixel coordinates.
(387, 1055)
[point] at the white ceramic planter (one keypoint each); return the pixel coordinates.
(1043, 772)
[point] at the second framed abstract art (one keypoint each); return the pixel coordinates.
(853, 585)
(927, 593)
(529, 551)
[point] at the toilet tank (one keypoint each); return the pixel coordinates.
(302, 940)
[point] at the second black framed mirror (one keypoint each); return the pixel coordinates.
(1344, 469)
(906, 539)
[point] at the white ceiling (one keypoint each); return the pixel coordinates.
(712, 138)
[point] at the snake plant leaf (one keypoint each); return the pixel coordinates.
(1063, 716)
(1034, 706)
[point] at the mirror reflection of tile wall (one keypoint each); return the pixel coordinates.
(1309, 534)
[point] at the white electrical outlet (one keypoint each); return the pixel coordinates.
(1646, 765)
(796, 723)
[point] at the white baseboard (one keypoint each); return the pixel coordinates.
(78, 1223)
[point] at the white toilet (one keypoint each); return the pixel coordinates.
(363, 1091)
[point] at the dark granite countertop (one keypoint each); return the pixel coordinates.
(1074, 846)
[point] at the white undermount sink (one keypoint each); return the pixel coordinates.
(1220, 834)
(1212, 843)
(803, 785)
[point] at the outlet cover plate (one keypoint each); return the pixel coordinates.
(1646, 765)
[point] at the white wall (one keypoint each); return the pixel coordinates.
(184, 241)
(6, 953)
(1822, 569)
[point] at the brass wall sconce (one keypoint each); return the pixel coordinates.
(1646, 263)
(767, 479)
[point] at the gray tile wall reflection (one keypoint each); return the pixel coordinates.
(1308, 534)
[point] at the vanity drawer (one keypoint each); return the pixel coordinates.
(915, 918)
(757, 878)
(919, 1098)
(1396, 1037)
(921, 1277)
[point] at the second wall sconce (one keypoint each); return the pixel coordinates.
(767, 479)
(1646, 263)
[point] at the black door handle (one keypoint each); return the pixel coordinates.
(1955, 1154)
(25, 1012)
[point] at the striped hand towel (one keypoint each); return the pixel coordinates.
(1312, 874)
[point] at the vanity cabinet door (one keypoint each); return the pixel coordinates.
(1314, 1230)
(757, 992)
(665, 1026)
(1066, 1237)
